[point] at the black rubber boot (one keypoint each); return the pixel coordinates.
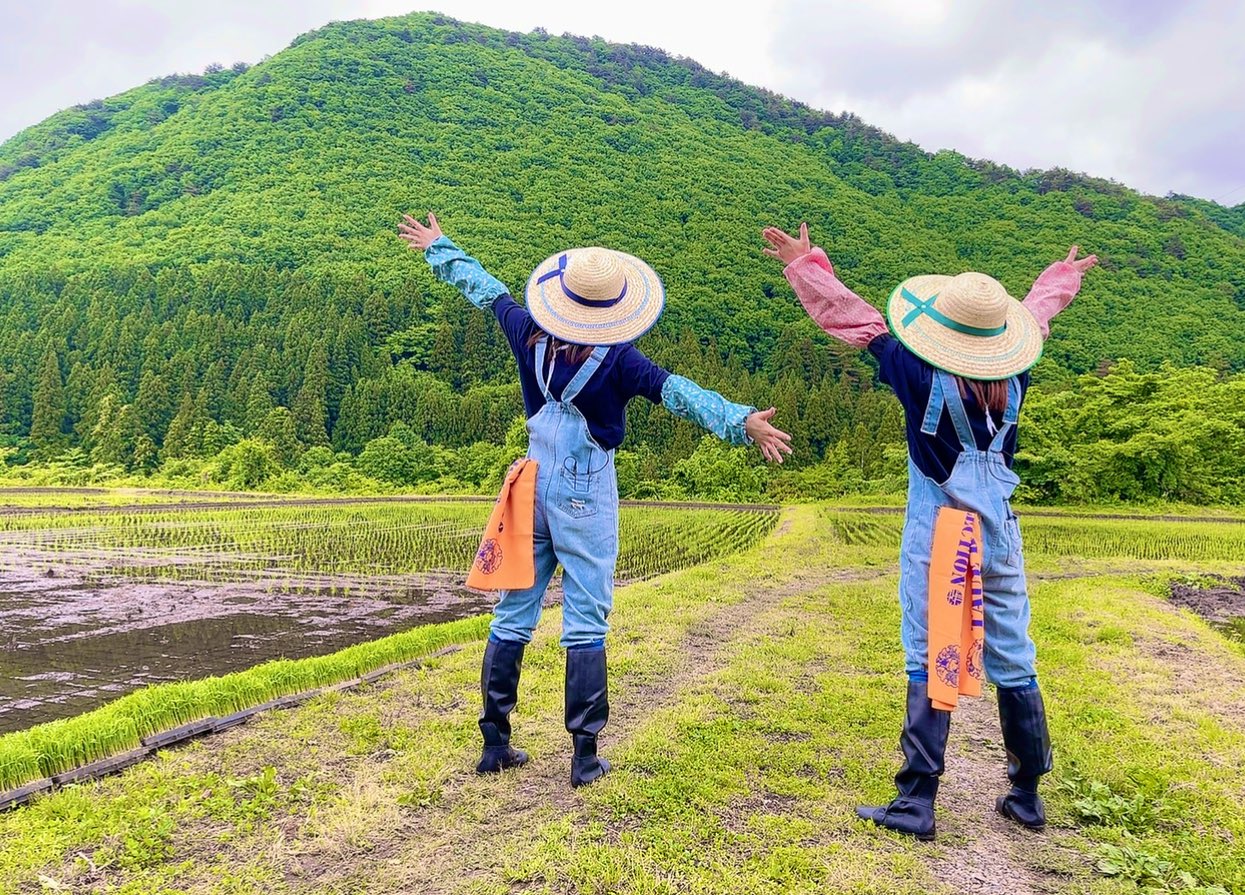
(924, 743)
(1027, 739)
(499, 684)
(587, 710)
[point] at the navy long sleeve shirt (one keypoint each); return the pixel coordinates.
(912, 378)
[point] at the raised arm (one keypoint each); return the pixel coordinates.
(449, 263)
(734, 423)
(1055, 288)
(835, 308)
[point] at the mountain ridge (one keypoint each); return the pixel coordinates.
(220, 246)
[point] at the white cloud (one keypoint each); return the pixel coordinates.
(1149, 94)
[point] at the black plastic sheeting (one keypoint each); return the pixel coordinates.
(179, 734)
(151, 744)
(22, 794)
(103, 766)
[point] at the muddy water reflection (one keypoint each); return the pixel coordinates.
(76, 639)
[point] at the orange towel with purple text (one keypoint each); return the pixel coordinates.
(956, 609)
(506, 559)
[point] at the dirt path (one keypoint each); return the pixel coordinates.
(435, 849)
(979, 847)
(976, 848)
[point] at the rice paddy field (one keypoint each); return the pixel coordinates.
(756, 694)
(103, 597)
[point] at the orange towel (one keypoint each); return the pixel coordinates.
(956, 609)
(506, 559)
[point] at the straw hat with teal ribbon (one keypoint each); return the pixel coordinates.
(594, 296)
(966, 324)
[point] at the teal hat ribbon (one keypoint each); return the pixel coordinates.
(925, 307)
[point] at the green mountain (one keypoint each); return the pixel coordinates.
(214, 256)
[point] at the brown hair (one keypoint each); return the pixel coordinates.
(991, 395)
(576, 354)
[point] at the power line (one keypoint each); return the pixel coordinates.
(1229, 193)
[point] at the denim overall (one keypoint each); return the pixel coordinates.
(576, 518)
(980, 481)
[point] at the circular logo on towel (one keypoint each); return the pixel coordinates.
(488, 559)
(955, 596)
(947, 665)
(974, 661)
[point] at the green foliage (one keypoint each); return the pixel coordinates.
(1176, 434)
(245, 465)
(718, 473)
(179, 262)
(1096, 803)
(48, 414)
(1151, 872)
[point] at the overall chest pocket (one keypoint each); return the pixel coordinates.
(578, 492)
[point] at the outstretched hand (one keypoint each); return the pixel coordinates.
(786, 248)
(1084, 264)
(772, 442)
(417, 235)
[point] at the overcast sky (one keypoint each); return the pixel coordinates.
(1147, 92)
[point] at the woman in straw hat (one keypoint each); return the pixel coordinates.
(577, 369)
(958, 360)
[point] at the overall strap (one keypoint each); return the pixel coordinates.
(543, 379)
(590, 366)
(955, 406)
(1010, 415)
(933, 410)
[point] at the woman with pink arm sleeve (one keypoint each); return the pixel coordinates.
(957, 353)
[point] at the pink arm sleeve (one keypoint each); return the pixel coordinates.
(835, 308)
(1052, 292)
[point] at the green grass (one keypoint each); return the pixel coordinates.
(756, 699)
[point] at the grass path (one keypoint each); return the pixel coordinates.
(755, 701)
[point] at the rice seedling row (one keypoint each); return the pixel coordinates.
(1080, 538)
(381, 539)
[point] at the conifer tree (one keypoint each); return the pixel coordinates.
(48, 416)
(310, 415)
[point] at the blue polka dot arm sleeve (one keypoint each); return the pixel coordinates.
(452, 265)
(707, 409)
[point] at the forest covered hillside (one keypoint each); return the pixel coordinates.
(209, 261)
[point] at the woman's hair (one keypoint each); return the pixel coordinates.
(574, 353)
(988, 394)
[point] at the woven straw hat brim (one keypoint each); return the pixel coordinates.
(1008, 354)
(562, 317)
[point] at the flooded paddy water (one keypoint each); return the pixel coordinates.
(73, 637)
(100, 596)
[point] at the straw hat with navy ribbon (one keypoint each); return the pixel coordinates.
(595, 296)
(966, 324)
